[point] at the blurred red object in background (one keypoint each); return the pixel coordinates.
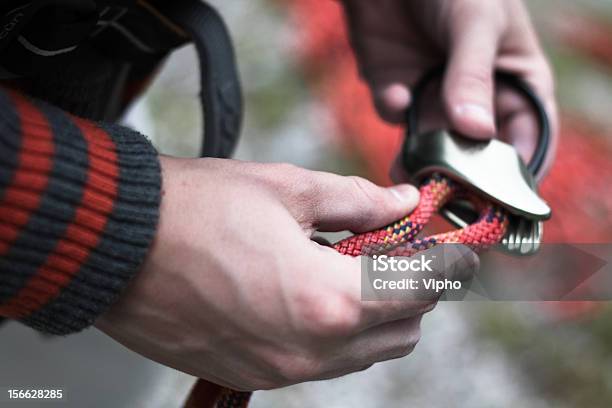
(587, 34)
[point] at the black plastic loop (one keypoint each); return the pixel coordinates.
(539, 155)
(221, 92)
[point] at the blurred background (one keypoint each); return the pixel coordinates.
(305, 105)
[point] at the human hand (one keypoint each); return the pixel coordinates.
(234, 290)
(397, 41)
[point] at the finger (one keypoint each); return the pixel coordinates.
(517, 122)
(391, 101)
(336, 203)
(389, 81)
(541, 79)
(332, 306)
(528, 61)
(554, 141)
(385, 49)
(388, 341)
(468, 84)
(453, 262)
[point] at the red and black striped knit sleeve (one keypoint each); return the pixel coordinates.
(79, 205)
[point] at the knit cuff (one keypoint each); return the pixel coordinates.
(79, 205)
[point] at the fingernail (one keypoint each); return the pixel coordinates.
(396, 96)
(476, 113)
(405, 193)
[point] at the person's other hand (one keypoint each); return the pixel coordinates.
(234, 290)
(397, 41)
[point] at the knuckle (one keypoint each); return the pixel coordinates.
(411, 342)
(333, 315)
(477, 79)
(545, 77)
(466, 11)
(297, 186)
(462, 10)
(292, 369)
(364, 187)
(407, 345)
(368, 195)
(471, 11)
(286, 168)
(287, 174)
(425, 307)
(302, 183)
(363, 368)
(440, 272)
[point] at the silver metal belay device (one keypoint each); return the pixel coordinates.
(494, 170)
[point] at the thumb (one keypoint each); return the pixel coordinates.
(453, 262)
(468, 84)
(356, 204)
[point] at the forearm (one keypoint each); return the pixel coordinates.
(79, 206)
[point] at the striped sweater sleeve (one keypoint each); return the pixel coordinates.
(79, 205)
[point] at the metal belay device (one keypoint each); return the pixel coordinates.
(491, 169)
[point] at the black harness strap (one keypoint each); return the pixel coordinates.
(220, 83)
(221, 94)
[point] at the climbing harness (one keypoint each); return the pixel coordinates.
(39, 33)
(449, 169)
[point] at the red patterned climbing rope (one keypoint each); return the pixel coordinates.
(397, 239)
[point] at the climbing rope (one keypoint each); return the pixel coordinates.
(397, 239)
